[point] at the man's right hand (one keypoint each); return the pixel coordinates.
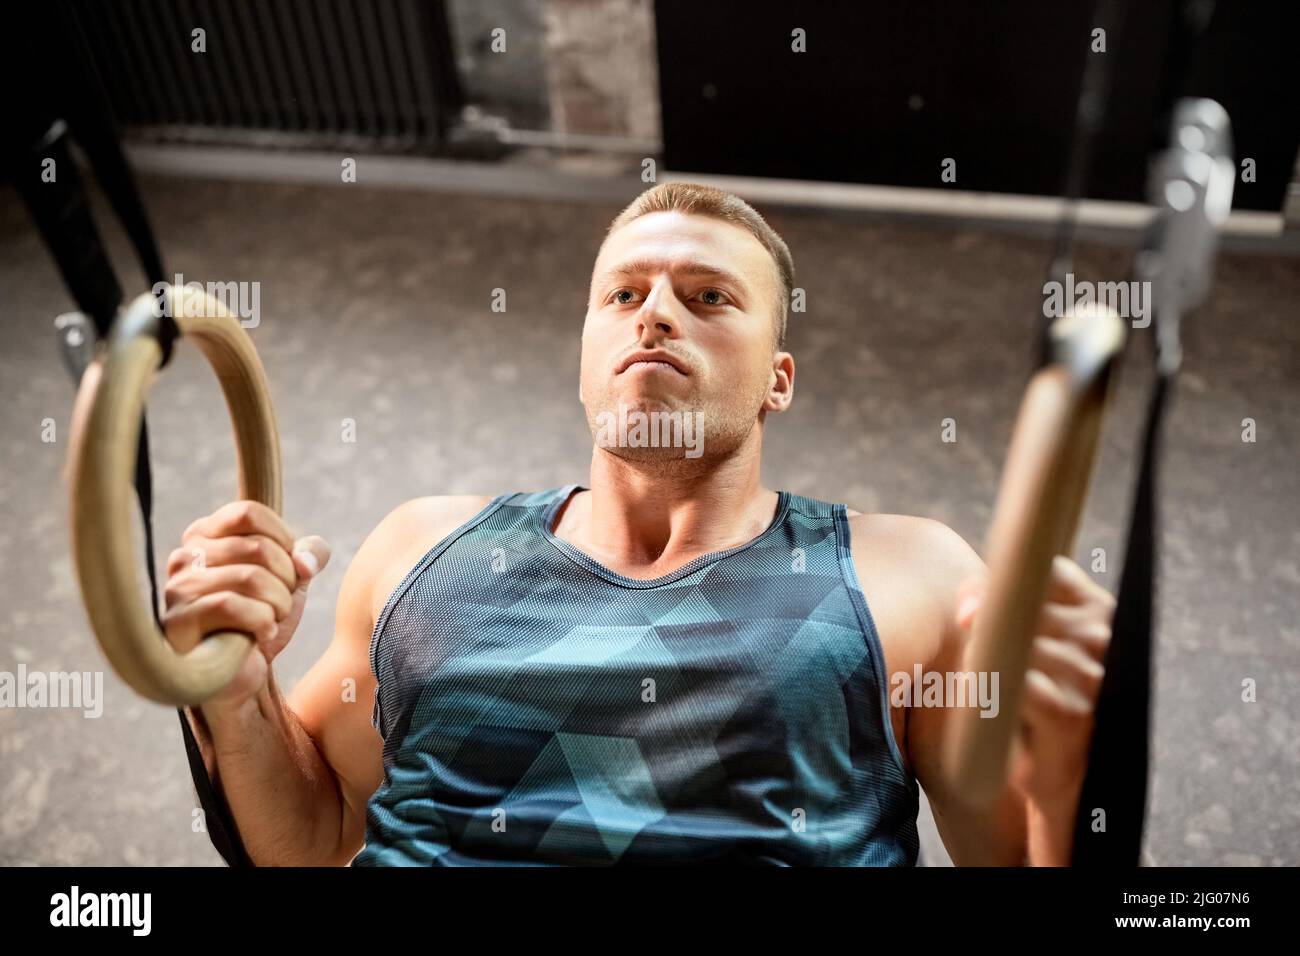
(240, 569)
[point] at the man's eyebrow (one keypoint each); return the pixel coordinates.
(690, 268)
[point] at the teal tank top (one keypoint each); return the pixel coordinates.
(537, 708)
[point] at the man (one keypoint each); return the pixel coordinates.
(674, 665)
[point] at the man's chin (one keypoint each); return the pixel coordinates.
(648, 404)
(649, 430)
(663, 457)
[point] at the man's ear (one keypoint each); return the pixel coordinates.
(781, 392)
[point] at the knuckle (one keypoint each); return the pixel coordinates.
(257, 549)
(175, 630)
(1064, 712)
(232, 516)
(1098, 631)
(265, 619)
(1077, 720)
(173, 591)
(1089, 669)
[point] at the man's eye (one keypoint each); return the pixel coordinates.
(713, 297)
(620, 295)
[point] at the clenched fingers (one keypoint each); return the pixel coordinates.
(1069, 667)
(1086, 626)
(198, 552)
(241, 518)
(250, 580)
(187, 624)
(1067, 583)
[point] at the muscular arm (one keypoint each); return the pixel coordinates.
(911, 570)
(297, 772)
(991, 835)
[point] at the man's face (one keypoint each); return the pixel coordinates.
(701, 294)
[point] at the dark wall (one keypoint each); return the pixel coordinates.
(887, 89)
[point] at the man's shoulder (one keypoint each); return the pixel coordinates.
(430, 513)
(908, 535)
(405, 535)
(922, 556)
(423, 522)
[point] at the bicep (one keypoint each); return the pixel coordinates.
(333, 701)
(981, 835)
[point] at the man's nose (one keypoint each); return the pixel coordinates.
(657, 316)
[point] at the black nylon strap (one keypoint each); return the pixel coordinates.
(1117, 777)
(60, 209)
(216, 812)
(217, 818)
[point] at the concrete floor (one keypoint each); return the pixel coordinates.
(375, 307)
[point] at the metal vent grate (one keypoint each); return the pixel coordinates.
(378, 73)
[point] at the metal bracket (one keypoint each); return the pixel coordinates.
(77, 341)
(1191, 187)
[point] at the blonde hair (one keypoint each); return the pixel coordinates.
(698, 200)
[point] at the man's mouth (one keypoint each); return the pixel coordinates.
(659, 365)
(654, 359)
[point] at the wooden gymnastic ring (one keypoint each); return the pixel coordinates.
(102, 472)
(1041, 497)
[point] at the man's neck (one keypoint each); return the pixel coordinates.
(643, 519)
